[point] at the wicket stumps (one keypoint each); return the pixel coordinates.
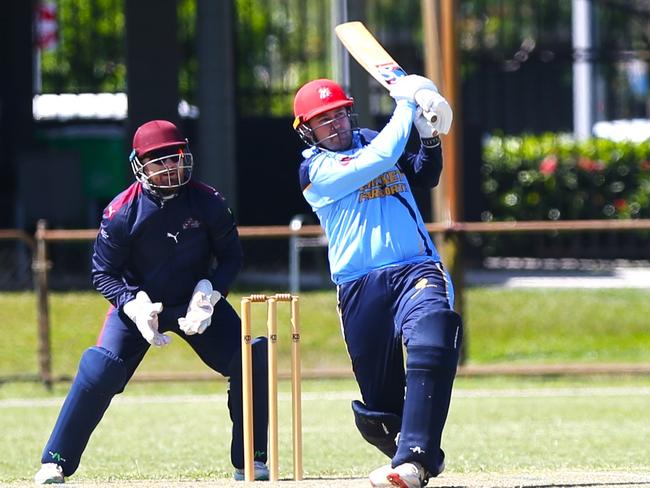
(247, 383)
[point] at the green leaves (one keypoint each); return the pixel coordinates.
(554, 177)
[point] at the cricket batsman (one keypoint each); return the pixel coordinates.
(392, 288)
(165, 257)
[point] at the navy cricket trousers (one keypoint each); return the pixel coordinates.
(219, 347)
(379, 312)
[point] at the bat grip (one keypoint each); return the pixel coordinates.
(430, 116)
(422, 98)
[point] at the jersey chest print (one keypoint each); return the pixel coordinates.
(389, 183)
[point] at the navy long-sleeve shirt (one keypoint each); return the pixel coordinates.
(165, 247)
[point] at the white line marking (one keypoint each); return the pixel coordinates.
(614, 391)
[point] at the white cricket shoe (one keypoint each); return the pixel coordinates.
(378, 478)
(407, 475)
(49, 474)
(261, 472)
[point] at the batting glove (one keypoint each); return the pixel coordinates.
(406, 87)
(436, 108)
(423, 125)
(199, 312)
(145, 316)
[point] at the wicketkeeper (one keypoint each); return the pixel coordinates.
(392, 288)
(165, 257)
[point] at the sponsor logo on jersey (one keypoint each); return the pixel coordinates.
(173, 236)
(385, 185)
(191, 223)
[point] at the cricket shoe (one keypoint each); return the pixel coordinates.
(407, 475)
(49, 474)
(261, 472)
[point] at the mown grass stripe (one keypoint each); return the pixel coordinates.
(349, 395)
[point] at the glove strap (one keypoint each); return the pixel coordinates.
(430, 142)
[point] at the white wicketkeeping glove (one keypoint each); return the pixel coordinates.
(433, 102)
(406, 87)
(199, 311)
(145, 316)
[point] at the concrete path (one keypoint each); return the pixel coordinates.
(560, 273)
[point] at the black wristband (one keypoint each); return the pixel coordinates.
(430, 142)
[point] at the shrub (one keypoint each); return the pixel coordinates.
(555, 177)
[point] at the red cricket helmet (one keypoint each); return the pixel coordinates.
(316, 97)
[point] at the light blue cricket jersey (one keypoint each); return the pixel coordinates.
(364, 202)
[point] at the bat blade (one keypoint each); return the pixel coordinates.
(369, 53)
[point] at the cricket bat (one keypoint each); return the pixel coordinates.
(370, 54)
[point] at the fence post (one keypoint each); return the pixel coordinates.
(40, 267)
(294, 254)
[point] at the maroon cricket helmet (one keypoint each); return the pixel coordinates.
(156, 134)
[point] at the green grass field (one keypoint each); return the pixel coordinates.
(177, 431)
(504, 326)
(497, 425)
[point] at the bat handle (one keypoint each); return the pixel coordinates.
(430, 116)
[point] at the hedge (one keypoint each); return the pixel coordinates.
(555, 177)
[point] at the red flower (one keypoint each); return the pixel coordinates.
(620, 204)
(548, 165)
(590, 165)
(645, 165)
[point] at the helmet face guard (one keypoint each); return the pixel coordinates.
(169, 169)
(169, 162)
(308, 136)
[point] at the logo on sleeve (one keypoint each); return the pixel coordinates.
(345, 160)
(109, 212)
